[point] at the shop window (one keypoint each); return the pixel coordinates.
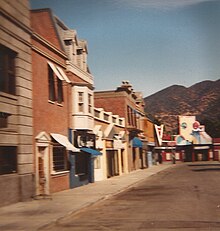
(7, 70)
(8, 160)
(60, 162)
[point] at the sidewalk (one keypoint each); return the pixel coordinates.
(36, 214)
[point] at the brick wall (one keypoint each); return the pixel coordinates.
(59, 183)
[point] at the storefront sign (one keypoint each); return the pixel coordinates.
(84, 139)
(109, 143)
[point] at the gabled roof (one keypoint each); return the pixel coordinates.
(43, 23)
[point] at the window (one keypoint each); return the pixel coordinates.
(97, 162)
(129, 114)
(52, 95)
(79, 53)
(97, 114)
(4, 119)
(80, 101)
(59, 158)
(120, 122)
(7, 70)
(55, 86)
(59, 91)
(114, 120)
(8, 160)
(89, 103)
(106, 117)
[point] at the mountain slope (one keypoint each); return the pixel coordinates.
(201, 100)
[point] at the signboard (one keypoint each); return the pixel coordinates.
(84, 139)
(159, 133)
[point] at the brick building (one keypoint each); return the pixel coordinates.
(16, 118)
(51, 90)
(128, 104)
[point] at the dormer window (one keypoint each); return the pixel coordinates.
(79, 51)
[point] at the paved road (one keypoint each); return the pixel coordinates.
(186, 197)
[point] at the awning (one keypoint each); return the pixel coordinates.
(57, 73)
(201, 147)
(63, 140)
(63, 75)
(136, 143)
(91, 151)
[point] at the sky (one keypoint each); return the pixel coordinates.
(151, 43)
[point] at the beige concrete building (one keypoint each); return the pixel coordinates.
(16, 151)
(110, 141)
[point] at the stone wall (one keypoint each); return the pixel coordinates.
(16, 35)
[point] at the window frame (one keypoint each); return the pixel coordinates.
(7, 70)
(8, 160)
(81, 101)
(89, 103)
(55, 87)
(60, 163)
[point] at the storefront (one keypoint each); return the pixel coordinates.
(82, 162)
(138, 158)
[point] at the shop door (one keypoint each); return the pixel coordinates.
(42, 171)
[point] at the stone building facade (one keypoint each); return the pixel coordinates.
(16, 114)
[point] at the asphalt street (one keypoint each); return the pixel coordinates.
(184, 197)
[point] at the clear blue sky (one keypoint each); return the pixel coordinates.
(152, 43)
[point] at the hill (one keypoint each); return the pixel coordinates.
(202, 100)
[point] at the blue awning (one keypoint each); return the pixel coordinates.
(91, 151)
(137, 143)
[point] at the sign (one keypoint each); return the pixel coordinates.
(109, 143)
(159, 132)
(84, 139)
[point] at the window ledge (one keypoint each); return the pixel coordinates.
(59, 173)
(55, 103)
(59, 104)
(52, 102)
(9, 96)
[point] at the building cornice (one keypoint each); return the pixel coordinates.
(28, 43)
(15, 21)
(46, 55)
(19, 25)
